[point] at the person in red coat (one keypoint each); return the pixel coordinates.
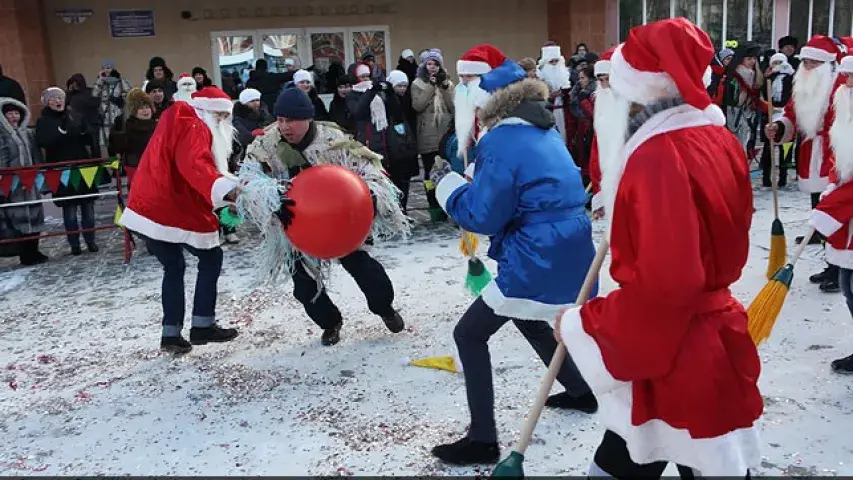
(833, 216)
(668, 354)
(810, 112)
(181, 182)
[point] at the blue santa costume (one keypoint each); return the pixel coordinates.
(528, 197)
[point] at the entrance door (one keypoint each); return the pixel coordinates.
(233, 55)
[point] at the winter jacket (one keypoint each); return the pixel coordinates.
(269, 84)
(409, 68)
(247, 120)
(64, 137)
(83, 103)
(10, 88)
(130, 142)
(18, 149)
(783, 86)
(833, 218)
(112, 91)
(434, 108)
(528, 197)
(340, 113)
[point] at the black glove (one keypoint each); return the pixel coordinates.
(284, 213)
(440, 77)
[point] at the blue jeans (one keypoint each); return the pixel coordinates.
(845, 278)
(69, 218)
(171, 256)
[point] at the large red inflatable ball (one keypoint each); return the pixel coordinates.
(333, 212)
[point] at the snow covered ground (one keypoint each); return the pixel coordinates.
(85, 390)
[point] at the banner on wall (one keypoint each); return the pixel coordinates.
(131, 23)
(74, 15)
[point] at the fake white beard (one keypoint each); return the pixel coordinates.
(556, 76)
(811, 91)
(610, 120)
(840, 134)
(184, 93)
(466, 100)
(223, 138)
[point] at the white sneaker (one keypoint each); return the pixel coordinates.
(232, 238)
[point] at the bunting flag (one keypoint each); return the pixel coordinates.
(28, 178)
(117, 217)
(66, 175)
(75, 178)
(15, 184)
(131, 171)
(52, 179)
(40, 181)
(89, 174)
(6, 184)
(114, 164)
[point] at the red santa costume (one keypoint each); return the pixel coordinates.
(668, 354)
(183, 174)
(468, 97)
(186, 87)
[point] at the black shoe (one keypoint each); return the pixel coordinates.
(394, 323)
(40, 257)
(843, 366)
(467, 452)
(830, 285)
(92, 247)
(819, 278)
(214, 334)
(176, 345)
(331, 336)
(586, 403)
(75, 250)
(815, 240)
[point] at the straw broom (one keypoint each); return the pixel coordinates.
(778, 245)
(478, 275)
(765, 308)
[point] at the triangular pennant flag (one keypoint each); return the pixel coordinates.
(52, 179)
(66, 176)
(75, 178)
(89, 174)
(117, 217)
(28, 178)
(131, 171)
(439, 363)
(6, 184)
(40, 182)
(114, 164)
(16, 182)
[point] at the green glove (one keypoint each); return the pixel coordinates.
(227, 218)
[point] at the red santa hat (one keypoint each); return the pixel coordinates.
(602, 66)
(212, 99)
(823, 49)
(662, 60)
(480, 60)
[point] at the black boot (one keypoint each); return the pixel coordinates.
(213, 334)
(467, 452)
(176, 345)
(92, 247)
(331, 336)
(830, 285)
(585, 403)
(394, 322)
(843, 366)
(75, 250)
(818, 278)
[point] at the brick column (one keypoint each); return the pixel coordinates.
(24, 52)
(582, 21)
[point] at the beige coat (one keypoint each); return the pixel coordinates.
(434, 107)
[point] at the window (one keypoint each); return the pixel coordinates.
(799, 20)
(737, 21)
(712, 19)
(686, 9)
(657, 10)
(630, 15)
(820, 17)
(843, 22)
(762, 23)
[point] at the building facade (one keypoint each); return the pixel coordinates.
(43, 42)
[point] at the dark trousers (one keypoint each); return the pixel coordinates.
(69, 218)
(29, 250)
(401, 178)
(367, 272)
(766, 164)
(845, 279)
(472, 335)
(171, 256)
(429, 160)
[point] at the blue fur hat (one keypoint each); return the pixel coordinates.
(507, 73)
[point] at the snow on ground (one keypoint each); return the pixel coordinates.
(85, 390)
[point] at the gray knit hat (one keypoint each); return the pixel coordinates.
(52, 92)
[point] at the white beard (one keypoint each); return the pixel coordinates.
(812, 89)
(223, 141)
(467, 99)
(556, 76)
(840, 134)
(184, 92)
(610, 121)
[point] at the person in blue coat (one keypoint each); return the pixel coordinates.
(528, 197)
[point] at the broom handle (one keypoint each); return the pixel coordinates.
(774, 174)
(559, 354)
(802, 246)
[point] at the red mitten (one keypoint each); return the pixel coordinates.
(257, 132)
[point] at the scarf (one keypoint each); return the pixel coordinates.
(780, 73)
(377, 107)
(651, 110)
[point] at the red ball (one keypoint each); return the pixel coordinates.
(333, 212)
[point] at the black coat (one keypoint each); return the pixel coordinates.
(10, 88)
(65, 137)
(246, 120)
(269, 84)
(131, 140)
(82, 104)
(359, 106)
(340, 114)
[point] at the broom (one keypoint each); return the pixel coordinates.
(778, 246)
(478, 275)
(767, 305)
(512, 465)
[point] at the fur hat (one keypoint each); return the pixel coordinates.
(396, 77)
(137, 99)
(52, 92)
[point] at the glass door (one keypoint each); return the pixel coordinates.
(373, 40)
(233, 56)
(279, 46)
(329, 56)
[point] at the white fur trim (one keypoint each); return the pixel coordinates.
(790, 130)
(824, 223)
(639, 86)
(814, 183)
(812, 53)
(731, 454)
(551, 52)
(221, 187)
(447, 186)
(598, 201)
(212, 104)
(137, 223)
(303, 76)
(839, 258)
(469, 171)
(470, 67)
(707, 77)
(846, 65)
(602, 67)
(518, 308)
